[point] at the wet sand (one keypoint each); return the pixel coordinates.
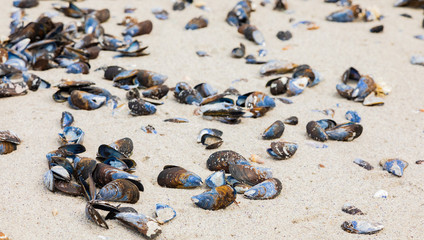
(309, 206)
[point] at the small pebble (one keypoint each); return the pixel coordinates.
(377, 29)
(284, 36)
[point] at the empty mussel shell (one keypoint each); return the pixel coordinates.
(361, 227)
(353, 116)
(124, 146)
(348, 14)
(103, 174)
(216, 179)
(316, 132)
(147, 226)
(237, 185)
(295, 86)
(209, 131)
(60, 173)
(267, 189)
(84, 167)
(251, 33)
(211, 142)
(222, 159)
(249, 174)
(351, 74)
(8, 142)
(72, 135)
(177, 177)
(156, 92)
(282, 150)
(366, 85)
(93, 215)
(277, 67)
(66, 120)
(164, 213)
(345, 132)
(48, 180)
(238, 52)
(277, 85)
(86, 101)
(274, 131)
(394, 166)
(218, 198)
(138, 29)
(197, 23)
(293, 120)
(120, 190)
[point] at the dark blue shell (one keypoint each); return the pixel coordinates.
(395, 166)
(345, 132)
(72, 135)
(67, 119)
(274, 131)
(353, 116)
(345, 15)
(267, 189)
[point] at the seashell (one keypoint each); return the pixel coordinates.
(251, 33)
(68, 188)
(274, 131)
(102, 15)
(373, 100)
(85, 167)
(205, 90)
(222, 159)
(293, 120)
(119, 190)
(66, 120)
(86, 101)
(133, 93)
(124, 146)
(249, 174)
(107, 151)
(93, 215)
(258, 99)
(10, 89)
(34, 82)
(363, 164)
(295, 86)
(60, 173)
(185, 94)
(409, 3)
(353, 116)
(72, 135)
(327, 123)
(218, 198)
(417, 60)
(164, 213)
(211, 142)
(8, 142)
(112, 71)
(316, 132)
(351, 74)
(216, 179)
(381, 194)
(345, 132)
(160, 13)
(419, 162)
(284, 35)
(277, 85)
(267, 189)
(394, 166)
(145, 225)
(223, 112)
(156, 92)
(238, 52)
(139, 107)
(276, 67)
(25, 3)
(352, 210)
(362, 227)
(48, 180)
(134, 49)
(237, 185)
(251, 59)
(201, 53)
(196, 23)
(61, 161)
(103, 174)
(138, 29)
(366, 85)
(348, 14)
(78, 67)
(149, 129)
(282, 150)
(280, 5)
(178, 120)
(345, 91)
(377, 29)
(177, 177)
(120, 164)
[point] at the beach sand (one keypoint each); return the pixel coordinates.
(309, 206)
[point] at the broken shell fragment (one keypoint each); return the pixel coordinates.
(352, 210)
(218, 198)
(66, 120)
(139, 107)
(267, 189)
(274, 131)
(363, 164)
(164, 213)
(216, 179)
(394, 166)
(282, 150)
(353, 116)
(361, 227)
(177, 177)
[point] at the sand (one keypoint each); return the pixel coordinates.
(309, 206)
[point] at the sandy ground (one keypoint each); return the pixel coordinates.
(309, 206)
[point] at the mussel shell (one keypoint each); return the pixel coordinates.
(205, 90)
(61, 161)
(60, 173)
(218, 198)
(119, 190)
(277, 85)
(178, 177)
(216, 179)
(363, 164)
(237, 185)
(366, 85)
(238, 52)
(295, 86)
(276, 67)
(345, 90)
(326, 123)
(156, 92)
(164, 213)
(72, 135)
(124, 146)
(316, 132)
(138, 29)
(133, 93)
(274, 131)
(209, 131)
(222, 159)
(361, 227)
(351, 74)
(267, 189)
(353, 116)
(139, 107)
(282, 150)
(211, 142)
(293, 120)
(69, 188)
(259, 99)
(145, 225)
(95, 216)
(345, 132)
(394, 166)
(9, 136)
(352, 210)
(249, 174)
(7, 147)
(85, 167)
(112, 71)
(66, 120)
(149, 79)
(49, 180)
(103, 174)
(86, 101)
(196, 23)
